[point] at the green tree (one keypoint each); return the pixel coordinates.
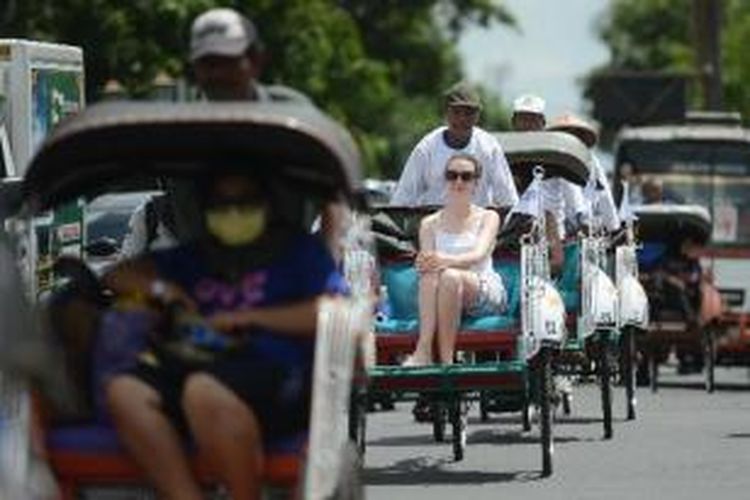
(648, 34)
(379, 67)
(736, 65)
(658, 35)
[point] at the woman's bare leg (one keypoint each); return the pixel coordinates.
(456, 288)
(428, 290)
(228, 434)
(150, 438)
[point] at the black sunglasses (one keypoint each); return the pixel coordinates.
(452, 175)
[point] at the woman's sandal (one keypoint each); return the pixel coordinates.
(412, 361)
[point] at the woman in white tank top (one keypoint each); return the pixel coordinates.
(455, 265)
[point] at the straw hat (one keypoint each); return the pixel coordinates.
(571, 124)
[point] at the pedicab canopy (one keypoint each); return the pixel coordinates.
(120, 146)
(687, 133)
(561, 154)
(672, 224)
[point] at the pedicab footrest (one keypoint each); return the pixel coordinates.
(504, 342)
(449, 377)
(671, 331)
(92, 454)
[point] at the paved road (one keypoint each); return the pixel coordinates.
(686, 444)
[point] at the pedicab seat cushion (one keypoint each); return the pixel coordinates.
(402, 282)
(102, 438)
(569, 283)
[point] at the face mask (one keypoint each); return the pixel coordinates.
(236, 225)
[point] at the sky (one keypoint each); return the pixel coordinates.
(554, 46)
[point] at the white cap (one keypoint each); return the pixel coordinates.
(221, 32)
(529, 103)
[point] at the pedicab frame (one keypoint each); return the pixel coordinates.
(709, 149)
(607, 307)
(528, 343)
(118, 147)
(671, 224)
(632, 306)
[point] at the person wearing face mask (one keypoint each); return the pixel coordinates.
(226, 56)
(255, 282)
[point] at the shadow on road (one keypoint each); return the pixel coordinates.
(416, 471)
(488, 436)
(584, 420)
(480, 436)
(512, 419)
(412, 440)
(700, 386)
(738, 435)
(560, 420)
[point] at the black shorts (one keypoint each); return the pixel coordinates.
(278, 395)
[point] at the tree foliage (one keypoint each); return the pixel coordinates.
(648, 34)
(658, 35)
(378, 66)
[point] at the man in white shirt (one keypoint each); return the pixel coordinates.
(559, 196)
(422, 181)
(561, 199)
(603, 203)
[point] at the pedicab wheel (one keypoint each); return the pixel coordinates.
(350, 486)
(388, 402)
(459, 421)
(438, 420)
(628, 370)
(526, 417)
(566, 404)
(358, 421)
(484, 412)
(546, 393)
(605, 384)
(709, 354)
(653, 371)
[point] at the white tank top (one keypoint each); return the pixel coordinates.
(458, 243)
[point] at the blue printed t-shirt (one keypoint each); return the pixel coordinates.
(305, 270)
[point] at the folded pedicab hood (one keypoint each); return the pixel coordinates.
(113, 143)
(561, 154)
(673, 223)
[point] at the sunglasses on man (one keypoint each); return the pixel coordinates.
(453, 175)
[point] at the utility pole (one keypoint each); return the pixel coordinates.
(707, 20)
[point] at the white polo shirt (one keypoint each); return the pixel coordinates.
(560, 197)
(422, 181)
